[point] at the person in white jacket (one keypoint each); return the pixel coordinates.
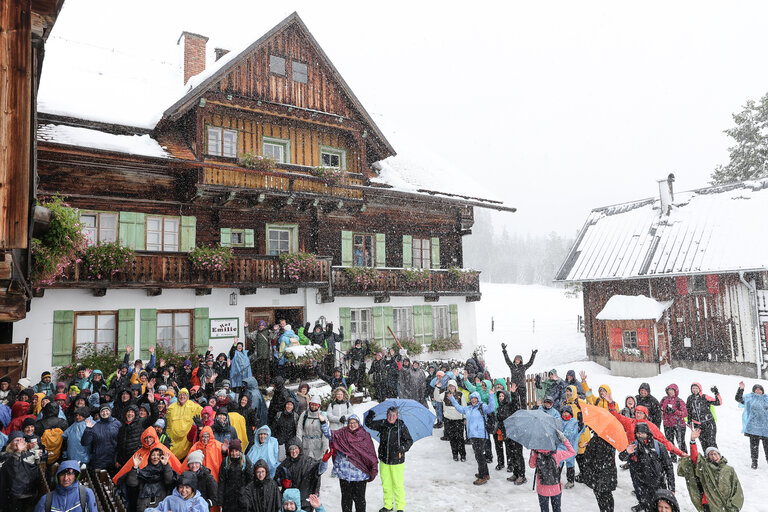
(339, 408)
(453, 420)
(313, 442)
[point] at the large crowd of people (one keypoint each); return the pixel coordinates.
(204, 437)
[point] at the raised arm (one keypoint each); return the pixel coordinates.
(657, 435)
(740, 393)
(530, 361)
(462, 409)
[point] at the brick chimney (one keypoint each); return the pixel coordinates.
(194, 53)
(220, 52)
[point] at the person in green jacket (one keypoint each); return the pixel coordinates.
(485, 388)
(711, 481)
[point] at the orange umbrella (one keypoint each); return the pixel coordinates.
(602, 423)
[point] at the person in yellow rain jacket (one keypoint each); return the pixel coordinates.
(603, 392)
(572, 399)
(179, 419)
(236, 420)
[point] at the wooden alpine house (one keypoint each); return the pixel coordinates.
(679, 280)
(187, 165)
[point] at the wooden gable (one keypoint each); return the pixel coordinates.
(251, 77)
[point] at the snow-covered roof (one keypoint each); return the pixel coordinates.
(633, 307)
(711, 230)
(143, 145)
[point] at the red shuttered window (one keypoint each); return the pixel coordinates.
(682, 285)
(616, 338)
(642, 338)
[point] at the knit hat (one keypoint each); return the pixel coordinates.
(45, 374)
(235, 444)
(552, 372)
(548, 399)
(294, 442)
(225, 383)
(27, 422)
(315, 399)
(25, 383)
(160, 423)
(61, 396)
(710, 450)
(195, 456)
(353, 417)
(187, 362)
(15, 435)
(83, 412)
(105, 406)
(60, 385)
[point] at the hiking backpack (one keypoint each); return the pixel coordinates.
(83, 499)
(546, 468)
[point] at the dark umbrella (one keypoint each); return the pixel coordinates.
(534, 429)
(416, 417)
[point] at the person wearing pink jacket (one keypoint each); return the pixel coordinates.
(673, 413)
(548, 483)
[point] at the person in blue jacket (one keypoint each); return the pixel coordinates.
(185, 497)
(475, 414)
(265, 447)
(292, 501)
(754, 419)
(74, 436)
(101, 438)
(68, 496)
(573, 430)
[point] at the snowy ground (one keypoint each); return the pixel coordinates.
(434, 482)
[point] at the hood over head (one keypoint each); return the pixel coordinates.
(292, 495)
(674, 388)
(68, 464)
(571, 374)
(574, 392)
(606, 387)
(149, 432)
(188, 478)
(643, 409)
(644, 386)
(475, 394)
(667, 496)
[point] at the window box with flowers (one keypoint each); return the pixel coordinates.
(445, 345)
(60, 245)
(416, 278)
(363, 277)
(256, 162)
(105, 259)
(463, 277)
(299, 265)
(331, 175)
(630, 352)
(210, 259)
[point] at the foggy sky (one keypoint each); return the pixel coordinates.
(555, 107)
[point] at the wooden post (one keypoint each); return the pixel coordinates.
(15, 121)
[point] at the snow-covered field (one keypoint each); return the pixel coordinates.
(528, 317)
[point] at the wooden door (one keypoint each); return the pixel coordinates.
(253, 315)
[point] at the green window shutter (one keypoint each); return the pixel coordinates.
(126, 329)
(418, 327)
(407, 251)
(188, 233)
(63, 337)
(346, 248)
(202, 330)
(388, 319)
(132, 230)
(426, 312)
(147, 331)
(344, 321)
(378, 325)
(435, 252)
(248, 236)
(454, 311)
(226, 239)
(381, 250)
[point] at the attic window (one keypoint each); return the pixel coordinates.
(299, 70)
(277, 65)
(222, 142)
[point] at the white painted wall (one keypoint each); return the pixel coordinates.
(38, 325)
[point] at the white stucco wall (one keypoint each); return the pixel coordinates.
(38, 325)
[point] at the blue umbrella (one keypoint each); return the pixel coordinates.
(416, 417)
(534, 429)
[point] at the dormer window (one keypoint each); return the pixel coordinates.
(277, 65)
(222, 142)
(299, 71)
(333, 157)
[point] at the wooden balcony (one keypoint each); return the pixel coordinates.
(286, 179)
(157, 270)
(392, 281)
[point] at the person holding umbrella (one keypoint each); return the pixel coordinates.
(354, 461)
(546, 463)
(394, 441)
(475, 414)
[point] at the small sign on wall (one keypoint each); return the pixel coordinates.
(687, 342)
(225, 328)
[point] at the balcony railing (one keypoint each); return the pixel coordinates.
(174, 270)
(285, 179)
(392, 281)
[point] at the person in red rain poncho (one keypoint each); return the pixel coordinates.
(641, 416)
(19, 412)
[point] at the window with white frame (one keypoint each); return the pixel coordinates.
(99, 227)
(299, 71)
(277, 65)
(277, 149)
(174, 331)
(237, 238)
(281, 239)
(629, 339)
(402, 323)
(441, 322)
(422, 252)
(162, 234)
(96, 329)
(360, 324)
(363, 250)
(222, 142)
(333, 157)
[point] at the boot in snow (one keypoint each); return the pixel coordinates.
(499, 466)
(570, 476)
(754, 464)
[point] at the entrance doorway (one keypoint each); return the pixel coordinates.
(292, 316)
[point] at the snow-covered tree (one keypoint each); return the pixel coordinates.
(749, 157)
